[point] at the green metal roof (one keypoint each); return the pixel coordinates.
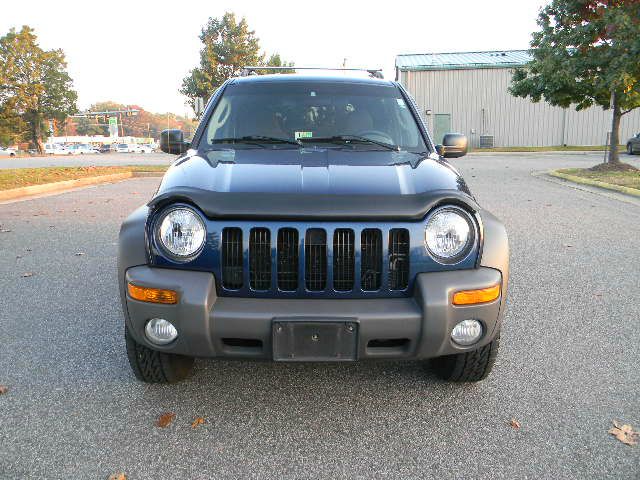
(457, 60)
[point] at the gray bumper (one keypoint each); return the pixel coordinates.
(212, 326)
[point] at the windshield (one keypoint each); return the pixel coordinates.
(307, 112)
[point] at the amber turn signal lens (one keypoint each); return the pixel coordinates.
(153, 295)
(471, 297)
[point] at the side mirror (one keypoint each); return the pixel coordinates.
(454, 145)
(172, 141)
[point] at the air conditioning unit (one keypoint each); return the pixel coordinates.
(486, 141)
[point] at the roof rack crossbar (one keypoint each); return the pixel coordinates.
(374, 72)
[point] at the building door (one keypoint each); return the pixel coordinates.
(441, 125)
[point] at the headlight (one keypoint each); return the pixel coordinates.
(449, 234)
(181, 233)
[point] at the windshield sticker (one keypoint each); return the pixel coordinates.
(401, 102)
(303, 135)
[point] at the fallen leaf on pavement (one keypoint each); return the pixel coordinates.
(79, 254)
(624, 433)
(27, 274)
(165, 419)
(117, 476)
(569, 245)
(3, 389)
(5, 230)
(196, 422)
(514, 423)
(18, 256)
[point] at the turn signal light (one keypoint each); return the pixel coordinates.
(153, 295)
(471, 297)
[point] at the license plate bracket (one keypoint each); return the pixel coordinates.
(314, 341)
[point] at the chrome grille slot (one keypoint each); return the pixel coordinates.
(288, 247)
(398, 259)
(232, 258)
(260, 259)
(315, 259)
(343, 260)
(370, 259)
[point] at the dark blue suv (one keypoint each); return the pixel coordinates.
(311, 218)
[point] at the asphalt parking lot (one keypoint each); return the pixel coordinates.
(568, 364)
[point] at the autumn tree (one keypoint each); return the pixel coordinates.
(229, 45)
(587, 52)
(34, 83)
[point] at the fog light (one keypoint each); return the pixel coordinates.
(467, 332)
(160, 331)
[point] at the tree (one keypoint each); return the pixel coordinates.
(586, 53)
(34, 83)
(229, 46)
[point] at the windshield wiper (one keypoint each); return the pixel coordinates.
(351, 139)
(255, 139)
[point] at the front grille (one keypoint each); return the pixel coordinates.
(398, 259)
(260, 259)
(314, 260)
(288, 259)
(232, 258)
(343, 260)
(371, 259)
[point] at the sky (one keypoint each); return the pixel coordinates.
(138, 51)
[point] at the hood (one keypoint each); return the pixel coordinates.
(280, 183)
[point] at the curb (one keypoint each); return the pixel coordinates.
(55, 187)
(595, 183)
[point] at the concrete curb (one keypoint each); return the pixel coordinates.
(55, 187)
(595, 183)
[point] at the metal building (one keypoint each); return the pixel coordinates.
(468, 93)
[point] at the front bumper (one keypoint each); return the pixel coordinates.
(211, 326)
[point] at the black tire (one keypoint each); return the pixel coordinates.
(471, 366)
(629, 149)
(152, 366)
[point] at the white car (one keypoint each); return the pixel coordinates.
(141, 148)
(123, 148)
(62, 150)
(82, 149)
(12, 152)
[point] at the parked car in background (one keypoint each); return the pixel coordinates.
(62, 150)
(107, 148)
(123, 148)
(633, 145)
(12, 152)
(49, 148)
(141, 148)
(82, 149)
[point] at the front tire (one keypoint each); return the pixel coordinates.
(152, 366)
(629, 149)
(470, 366)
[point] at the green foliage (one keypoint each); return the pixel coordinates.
(34, 85)
(229, 46)
(587, 52)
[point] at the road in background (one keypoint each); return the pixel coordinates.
(97, 159)
(568, 364)
(545, 160)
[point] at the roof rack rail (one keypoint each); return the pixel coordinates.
(374, 72)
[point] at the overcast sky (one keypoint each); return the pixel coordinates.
(139, 51)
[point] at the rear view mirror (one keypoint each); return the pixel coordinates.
(454, 145)
(172, 141)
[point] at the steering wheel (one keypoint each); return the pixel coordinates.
(376, 135)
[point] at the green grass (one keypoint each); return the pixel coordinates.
(629, 179)
(559, 148)
(24, 177)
